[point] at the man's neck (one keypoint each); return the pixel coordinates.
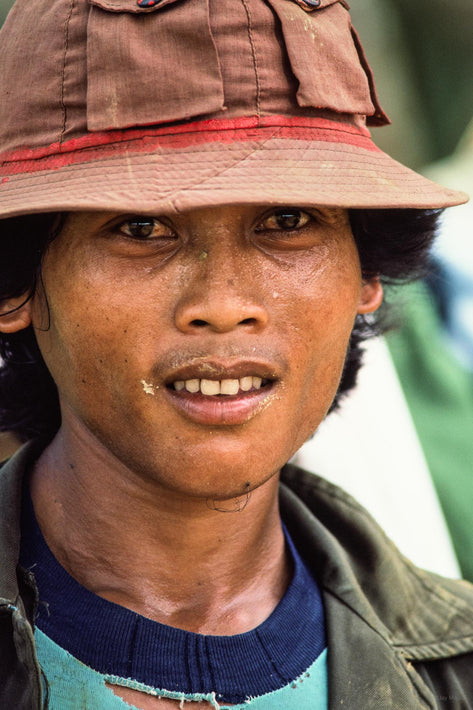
(214, 567)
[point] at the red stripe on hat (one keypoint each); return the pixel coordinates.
(97, 146)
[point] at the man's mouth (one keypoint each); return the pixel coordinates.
(230, 392)
(224, 387)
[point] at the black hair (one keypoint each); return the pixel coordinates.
(29, 403)
(393, 245)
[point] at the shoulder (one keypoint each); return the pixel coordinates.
(424, 617)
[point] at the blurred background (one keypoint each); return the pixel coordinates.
(422, 55)
(402, 444)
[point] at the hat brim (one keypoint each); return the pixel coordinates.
(150, 171)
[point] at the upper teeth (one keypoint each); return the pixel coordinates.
(212, 387)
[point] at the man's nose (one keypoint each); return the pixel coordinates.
(221, 296)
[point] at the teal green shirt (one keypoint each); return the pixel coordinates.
(74, 686)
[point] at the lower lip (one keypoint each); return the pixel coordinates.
(225, 410)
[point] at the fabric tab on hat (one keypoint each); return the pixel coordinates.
(325, 59)
(171, 65)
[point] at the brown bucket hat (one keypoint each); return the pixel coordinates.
(165, 105)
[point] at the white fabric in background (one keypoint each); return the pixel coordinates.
(370, 448)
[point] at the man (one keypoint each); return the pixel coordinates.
(192, 259)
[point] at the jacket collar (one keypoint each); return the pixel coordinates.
(11, 482)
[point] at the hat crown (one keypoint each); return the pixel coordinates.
(116, 64)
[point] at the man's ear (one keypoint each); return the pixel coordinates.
(371, 296)
(15, 313)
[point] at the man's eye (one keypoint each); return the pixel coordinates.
(145, 228)
(284, 219)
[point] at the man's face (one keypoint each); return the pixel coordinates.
(142, 320)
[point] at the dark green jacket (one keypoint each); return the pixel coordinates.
(398, 638)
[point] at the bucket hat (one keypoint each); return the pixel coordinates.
(165, 105)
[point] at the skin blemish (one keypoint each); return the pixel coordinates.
(149, 388)
(203, 255)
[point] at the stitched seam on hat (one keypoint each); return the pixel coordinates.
(114, 153)
(364, 170)
(255, 61)
(218, 173)
(219, 62)
(63, 78)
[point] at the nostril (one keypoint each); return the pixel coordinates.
(220, 315)
(200, 323)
